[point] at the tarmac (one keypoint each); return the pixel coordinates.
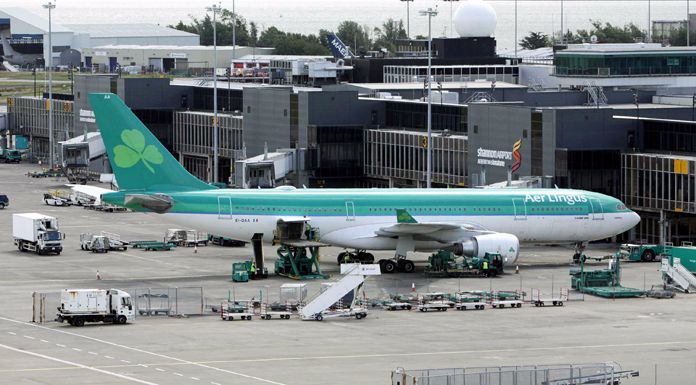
(655, 337)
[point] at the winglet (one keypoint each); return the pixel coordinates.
(402, 216)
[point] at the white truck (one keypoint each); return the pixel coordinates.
(37, 233)
(78, 306)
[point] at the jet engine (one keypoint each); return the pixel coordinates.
(507, 245)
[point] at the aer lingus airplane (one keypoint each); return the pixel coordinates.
(469, 221)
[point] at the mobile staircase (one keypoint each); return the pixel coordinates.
(354, 274)
(675, 274)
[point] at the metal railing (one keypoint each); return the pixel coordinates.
(607, 373)
(624, 72)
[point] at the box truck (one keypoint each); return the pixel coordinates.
(37, 233)
(78, 306)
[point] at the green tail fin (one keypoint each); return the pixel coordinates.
(402, 216)
(138, 159)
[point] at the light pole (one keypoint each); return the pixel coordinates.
(408, 18)
(688, 25)
(234, 33)
(562, 32)
(215, 8)
(637, 103)
(649, 24)
(452, 16)
(430, 13)
(515, 29)
(51, 150)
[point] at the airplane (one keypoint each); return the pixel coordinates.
(14, 57)
(469, 222)
(338, 49)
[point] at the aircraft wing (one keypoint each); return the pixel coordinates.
(403, 236)
(416, 228)
(91, 191)
(431, 231)
(437, 231)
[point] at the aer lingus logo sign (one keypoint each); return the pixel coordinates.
(135, 151)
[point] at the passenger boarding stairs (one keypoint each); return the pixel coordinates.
(678, 275)
(353, 276)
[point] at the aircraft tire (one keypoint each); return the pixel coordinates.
(408, 266)
(388, 266)
(365, 257)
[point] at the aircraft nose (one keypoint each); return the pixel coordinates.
(633, 219)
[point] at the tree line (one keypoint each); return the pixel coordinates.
(605, 33)
(361, 38)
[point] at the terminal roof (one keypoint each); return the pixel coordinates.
(127, 30)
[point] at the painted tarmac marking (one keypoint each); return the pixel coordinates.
(77, 349)
(160, 370)
(195, 378)
(178, 374)
(60, 345)
(29, 337)
(109, 357)
(13, 333)
(93, 353)
(146, 352)
(121, 376)
(44, 341)
(457, 352)
(126, 361)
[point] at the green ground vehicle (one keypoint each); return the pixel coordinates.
(686, 255)
(641, 252)
(447, 264)
(11, 156)
(242, 272)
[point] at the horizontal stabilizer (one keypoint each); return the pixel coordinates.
(159, 203)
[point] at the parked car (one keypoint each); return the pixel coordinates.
(52, 200)
(4, 201)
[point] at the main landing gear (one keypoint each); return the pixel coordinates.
(400, 264)
(361, 256)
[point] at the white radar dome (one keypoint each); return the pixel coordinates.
(475, 18)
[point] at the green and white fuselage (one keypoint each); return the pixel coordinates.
(352, 217)
(476, 220)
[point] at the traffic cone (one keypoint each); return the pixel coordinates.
(195, 248)
(517, 269)
(98, 276)
(413, 286)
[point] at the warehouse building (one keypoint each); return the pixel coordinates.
(165, 58)
(28, 32)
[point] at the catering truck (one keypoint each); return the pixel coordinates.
(78, 306)
(37, 233)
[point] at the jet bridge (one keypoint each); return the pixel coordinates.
(266, 170)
